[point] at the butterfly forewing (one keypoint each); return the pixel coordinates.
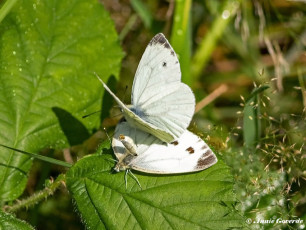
(158, 95)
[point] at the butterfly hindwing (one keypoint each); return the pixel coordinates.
(189, 153)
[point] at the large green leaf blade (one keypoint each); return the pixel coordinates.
(48, 52)
(190, 201)
(9, 222)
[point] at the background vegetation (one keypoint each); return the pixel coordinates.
(245, 61)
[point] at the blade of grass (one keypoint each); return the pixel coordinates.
(143, 12)
(40, 157)
(209, 42)
(181, 37)
(6, 8)
(251, 121)
(128, 26)
(257, 91)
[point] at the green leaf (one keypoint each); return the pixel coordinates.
(9, 222)
(188, 201)
(251, 122)
(48, 52)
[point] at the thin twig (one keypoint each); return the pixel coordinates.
(211, 97)
(67, 155)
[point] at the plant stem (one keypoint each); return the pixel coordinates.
(36, 197)
(181, 37)
(6, 8)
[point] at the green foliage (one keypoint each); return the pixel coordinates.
(9, 222)
(190, 201)
(49, 50)
(271, 161)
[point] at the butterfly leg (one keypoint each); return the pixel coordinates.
(134, 177)
(125, 178)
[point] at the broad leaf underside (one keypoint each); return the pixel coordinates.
(9, 222)
(189, 201)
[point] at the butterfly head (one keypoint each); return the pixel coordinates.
(120, 166)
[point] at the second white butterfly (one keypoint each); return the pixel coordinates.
(161, 104)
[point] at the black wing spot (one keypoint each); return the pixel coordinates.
(190, 150)
(174, 143)
(164, 64)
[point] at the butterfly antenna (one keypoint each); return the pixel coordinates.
(87, 115)
(134, 177)
(110, 141)
(126, 87)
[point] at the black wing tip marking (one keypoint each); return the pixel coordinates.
(206, 160)
(161, 39)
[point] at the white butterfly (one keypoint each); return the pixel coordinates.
(141, 151)
(161, 104)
